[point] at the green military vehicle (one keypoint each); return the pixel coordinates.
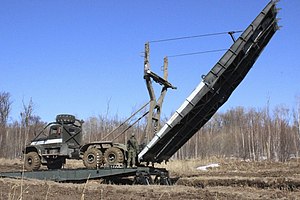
(62, 139)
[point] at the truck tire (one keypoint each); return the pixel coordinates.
(92, 158)
(55, 163)
(113, 156)
(66, 119)
(32, 161)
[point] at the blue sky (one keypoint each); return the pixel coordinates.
(79, 57)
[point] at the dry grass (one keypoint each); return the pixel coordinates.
(41, 190)
(232, 180)
(187, 167)
(73, 164)
(70, 164)
(38, 189)
(4, 161)
(177, 166)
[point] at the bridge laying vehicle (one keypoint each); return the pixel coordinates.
(212, 92)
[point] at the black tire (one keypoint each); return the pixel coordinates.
(55, 163)
(92, 158)
(113, 156)
(66, 119)
(32, 161)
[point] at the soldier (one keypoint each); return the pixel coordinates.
(132, 147)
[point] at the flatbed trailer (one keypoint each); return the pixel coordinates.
(141, 175)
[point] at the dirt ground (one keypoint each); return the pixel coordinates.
(231, 180)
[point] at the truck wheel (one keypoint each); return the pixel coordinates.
(32, 161)
(113, 156)
(55, 164)
(92, 158)
(66, 119)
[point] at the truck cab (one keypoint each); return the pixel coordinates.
(58, 141)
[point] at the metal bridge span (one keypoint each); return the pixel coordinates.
(215, 88)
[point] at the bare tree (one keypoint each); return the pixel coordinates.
(26, 116)
(5, 108)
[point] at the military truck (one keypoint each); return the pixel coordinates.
(62, 139)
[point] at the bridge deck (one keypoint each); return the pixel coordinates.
(214, 89)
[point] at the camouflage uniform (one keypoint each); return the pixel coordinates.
(132, 147)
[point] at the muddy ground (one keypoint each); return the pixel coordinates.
(232, 180)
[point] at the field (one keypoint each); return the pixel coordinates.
(231, 180)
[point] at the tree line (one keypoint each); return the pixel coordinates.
(254, 134)
(243, 133)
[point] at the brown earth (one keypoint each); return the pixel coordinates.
(232, 180)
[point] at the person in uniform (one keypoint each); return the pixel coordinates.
(132, 148)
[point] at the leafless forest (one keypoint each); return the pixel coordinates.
(244, 133)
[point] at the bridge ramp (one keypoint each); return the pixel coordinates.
(215, 88)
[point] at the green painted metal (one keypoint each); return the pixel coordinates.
(68, 175)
